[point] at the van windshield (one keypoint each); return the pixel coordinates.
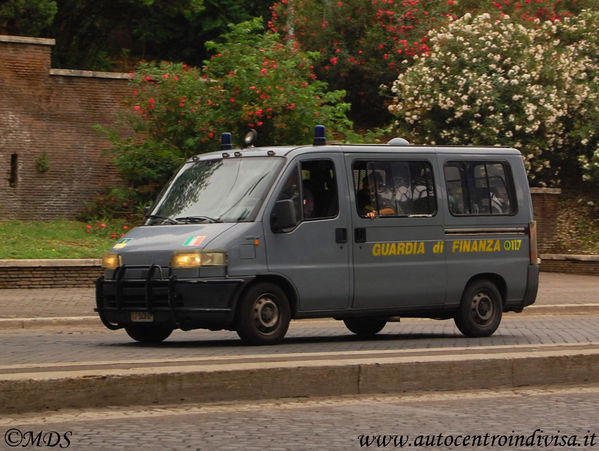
(218, 190)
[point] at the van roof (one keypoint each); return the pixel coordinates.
(284, 151)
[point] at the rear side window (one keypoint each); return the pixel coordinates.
(394, 188)
(479, 188)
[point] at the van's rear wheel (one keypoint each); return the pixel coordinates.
(149, 334)
(263, 315)
(480, 311)
(365, 327)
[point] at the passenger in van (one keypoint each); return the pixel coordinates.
(374, 198)
(403, 195)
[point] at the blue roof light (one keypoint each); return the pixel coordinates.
(320, 138)
(226, 141)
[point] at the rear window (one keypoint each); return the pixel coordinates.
(479, 188)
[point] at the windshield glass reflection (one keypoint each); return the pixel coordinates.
(218, 190)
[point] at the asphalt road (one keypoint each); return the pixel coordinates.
(49, 345)
(541, 418)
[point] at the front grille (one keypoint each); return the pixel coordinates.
(139, 288)
(134, 298)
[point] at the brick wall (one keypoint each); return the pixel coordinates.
(52, 111)
(544, 204)
(71, 273)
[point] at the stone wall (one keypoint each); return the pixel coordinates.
(52, 112)
(545, 203)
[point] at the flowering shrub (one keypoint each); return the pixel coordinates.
(253, 81)
(362, 43)
(113, 229)
(498, 82)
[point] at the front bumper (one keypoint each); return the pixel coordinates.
(149, 298)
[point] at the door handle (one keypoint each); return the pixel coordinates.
(360, 235)
(341, 235)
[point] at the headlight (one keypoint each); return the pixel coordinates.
(197, 259)
(111, 261)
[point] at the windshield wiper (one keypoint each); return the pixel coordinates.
(192, 219)
(164, 219)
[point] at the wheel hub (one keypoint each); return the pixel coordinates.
(266, 313)
(482, 307)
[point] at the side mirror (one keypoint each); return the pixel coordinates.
(283, 215)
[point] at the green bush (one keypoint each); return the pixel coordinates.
(252, 81)
(116, 203)
(493, 81)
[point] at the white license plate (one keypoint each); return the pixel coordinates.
(142, 317)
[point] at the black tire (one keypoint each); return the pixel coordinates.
(263, 314)
(480, 311)
(365, 327)
(148, 334)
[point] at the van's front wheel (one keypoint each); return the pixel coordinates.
(263, 315)
(365, 327)
(480, 311)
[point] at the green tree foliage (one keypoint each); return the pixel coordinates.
(116, 34)
(362, 43)
(89, 34)
(26, 17)
(493, 81)
(252, 81)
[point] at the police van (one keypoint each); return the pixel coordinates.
(248, 239)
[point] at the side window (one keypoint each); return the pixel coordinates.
(319, 189)
(394, 188)
(479, 188)
(312, 189)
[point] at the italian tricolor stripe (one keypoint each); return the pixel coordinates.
(194, 241)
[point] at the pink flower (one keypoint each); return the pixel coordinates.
(88, 227)
(126, 227)
(165, 76)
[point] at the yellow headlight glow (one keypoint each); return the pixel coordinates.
(111, 261)
(197, 259)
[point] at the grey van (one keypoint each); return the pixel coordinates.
(247, 239)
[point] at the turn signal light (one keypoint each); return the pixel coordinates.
(111, 261)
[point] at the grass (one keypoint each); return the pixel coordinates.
(57, 239)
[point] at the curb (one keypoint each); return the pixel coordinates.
(94, 321)
(61, 321)
(260, 377)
